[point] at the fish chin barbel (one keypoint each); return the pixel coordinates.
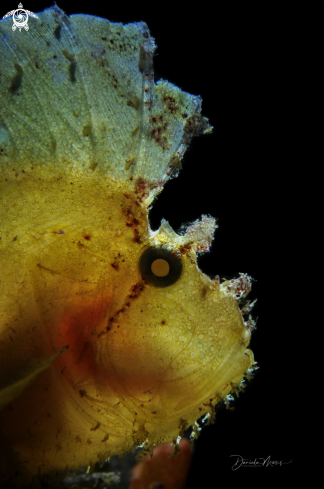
(110, 335)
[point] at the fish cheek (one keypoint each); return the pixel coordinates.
(127, 362)
(193, 338)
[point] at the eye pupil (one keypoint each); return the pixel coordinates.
(160, 267)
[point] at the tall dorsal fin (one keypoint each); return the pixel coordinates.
(78, 96)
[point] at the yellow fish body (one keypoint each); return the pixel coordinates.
(110, 335)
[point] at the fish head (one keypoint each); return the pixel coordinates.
(162, 336)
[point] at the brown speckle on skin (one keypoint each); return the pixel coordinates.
(135, 131)
(157, 135)
(137, 238)
(133, 222)
(72, 70)
(134, 102)
(170, 103)
(86, 131)
(96, 427)
(82, 392)
(99, 56)
(203, 292)
(135, 292)
(157, 119)
(115, 83)
(142, 188)
(87, 236)
(115, 265)
(16, 79)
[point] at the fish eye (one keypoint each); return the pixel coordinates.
(160, 267)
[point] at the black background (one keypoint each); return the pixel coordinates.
(250, 68)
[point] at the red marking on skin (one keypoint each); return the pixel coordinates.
(98, 354)
(142, 188)
(184, 250)
(79, 329)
